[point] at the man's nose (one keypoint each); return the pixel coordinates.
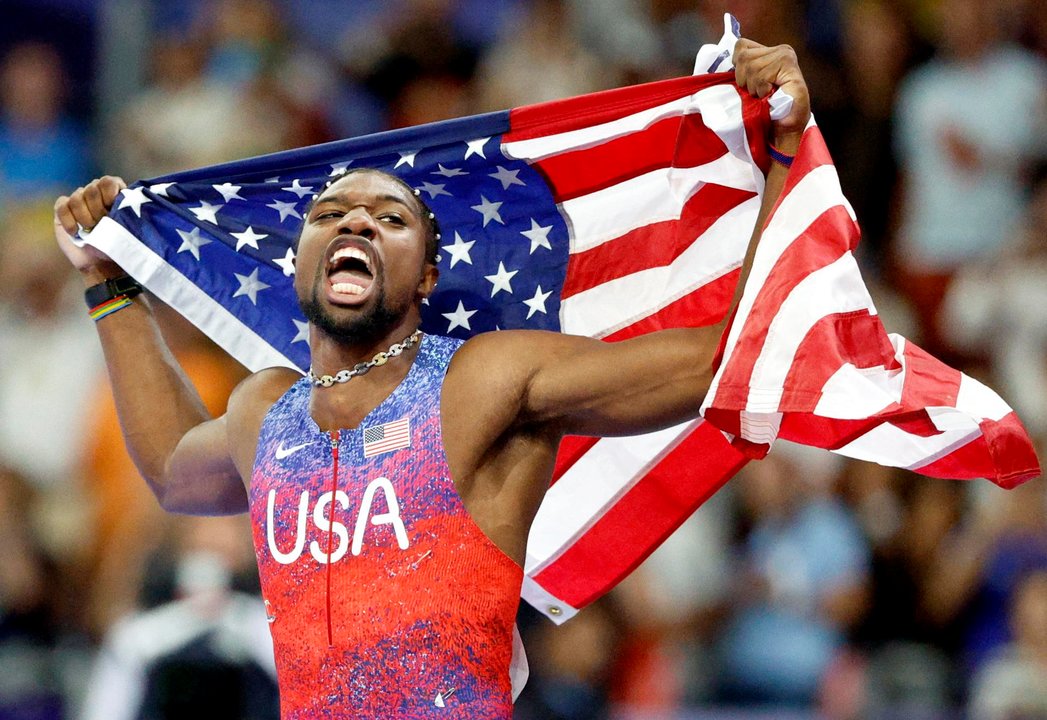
(359, 222)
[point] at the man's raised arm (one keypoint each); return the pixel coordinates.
(576, 385)
(183, 454)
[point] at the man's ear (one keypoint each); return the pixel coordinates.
(430, 274)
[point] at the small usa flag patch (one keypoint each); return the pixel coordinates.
(385, 438)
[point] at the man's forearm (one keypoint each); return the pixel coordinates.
(774, 184)
(156, 403)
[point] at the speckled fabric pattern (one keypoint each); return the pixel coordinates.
(388, 602)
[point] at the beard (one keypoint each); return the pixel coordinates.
(369, 327)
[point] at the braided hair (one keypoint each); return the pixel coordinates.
(432, 235)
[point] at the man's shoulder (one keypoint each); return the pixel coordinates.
(258, 391)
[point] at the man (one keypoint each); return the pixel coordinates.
(392, 493)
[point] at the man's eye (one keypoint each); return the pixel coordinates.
(395, 219)
(329, 214)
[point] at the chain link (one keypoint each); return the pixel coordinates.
(381, 358)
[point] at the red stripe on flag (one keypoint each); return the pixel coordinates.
(642, 518)
(558, 116)
(928, 381)
(705, 306)
(681, 141)
(654, 245)
(1003, 443)
(854, 337)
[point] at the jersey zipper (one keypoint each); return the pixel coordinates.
(335, 441)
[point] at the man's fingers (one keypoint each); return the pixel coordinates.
(81, 213)
(64, 216)
(110, 187)
(89, 204)
(95, 204)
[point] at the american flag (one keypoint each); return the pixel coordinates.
(387, 437)
(608, 215)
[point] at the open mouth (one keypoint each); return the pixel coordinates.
(350, 271)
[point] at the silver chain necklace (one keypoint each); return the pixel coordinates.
(381, 358)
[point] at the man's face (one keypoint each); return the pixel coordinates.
(361, 258)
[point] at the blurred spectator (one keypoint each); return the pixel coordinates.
(876, 50)
(802, 585)
(207, 654)
(1014, 684)
(909, 671)
(42, 150)
(221, 96)
(185, 120)
(541, 61)
(968, 125)
(412, 63)
(570, 665)
(977, 572)
(987, 309)
(47, 350)
(30, 687)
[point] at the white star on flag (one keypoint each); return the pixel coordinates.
(338, 168)
(298, 189)
(192, 241)
(459, 318)
(250, 286)
(248, 237)
(229, 191)
(538, 235)
(435, 189)
(160, 188)
(207, 212)
(500, 280)
(507, 177)
(133, 198)
(460, 250)
(302, 334)
(284, 208)
(286, 263)
(489, 210)
(448, 172)
(475, 147)
(406, 158)
(537, 303)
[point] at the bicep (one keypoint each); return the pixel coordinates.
(588, 387)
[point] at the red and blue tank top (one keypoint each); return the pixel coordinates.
(385, 600)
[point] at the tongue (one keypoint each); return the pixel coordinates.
(350, 277)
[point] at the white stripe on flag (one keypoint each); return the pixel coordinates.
(542, 147)
(618, 303)
(646, 199)
(594, 483)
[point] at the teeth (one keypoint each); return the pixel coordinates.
(347, 288)
(354, 253)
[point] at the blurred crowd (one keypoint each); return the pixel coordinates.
(810, 587)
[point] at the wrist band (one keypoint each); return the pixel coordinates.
(109, 307)
(779, 157)
(123, 286)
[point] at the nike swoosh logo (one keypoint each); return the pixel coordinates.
(281, 452)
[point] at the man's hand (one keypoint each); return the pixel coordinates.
(761, 70)
(83, 209)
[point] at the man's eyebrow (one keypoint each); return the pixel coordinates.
(329, 199)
